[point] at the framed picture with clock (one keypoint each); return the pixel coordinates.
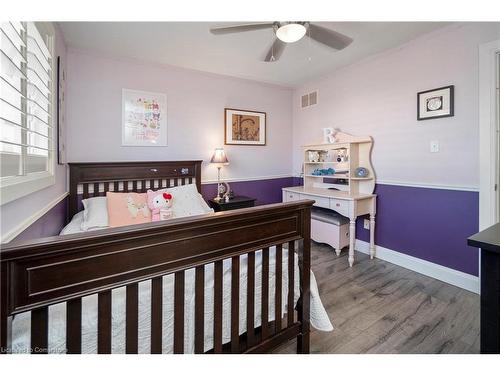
(435, 103)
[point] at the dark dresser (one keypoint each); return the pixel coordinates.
(488, 241)
(233, 204)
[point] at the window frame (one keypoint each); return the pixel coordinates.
(15, 187)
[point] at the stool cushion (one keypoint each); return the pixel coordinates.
(328, 216)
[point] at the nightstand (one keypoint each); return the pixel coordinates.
(233, 204)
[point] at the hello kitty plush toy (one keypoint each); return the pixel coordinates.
(160, 204)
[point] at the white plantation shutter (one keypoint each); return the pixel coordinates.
(26, 97)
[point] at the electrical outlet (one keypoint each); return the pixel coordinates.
(434, 146)
(366, 224)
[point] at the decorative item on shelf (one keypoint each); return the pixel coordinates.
(342, 156)
(313, 156)
(323, 172)
(435, 103)
(224, 190)
(317, 156)
(361, 172)
(244, 127)
(329, 135)
(219, 158)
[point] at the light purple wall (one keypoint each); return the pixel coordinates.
(15, 213)
(48, 225)
(378, 97)
(195, 115)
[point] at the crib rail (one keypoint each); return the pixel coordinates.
(35, 275)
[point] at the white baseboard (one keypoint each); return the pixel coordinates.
(448, 275)
(9, 236)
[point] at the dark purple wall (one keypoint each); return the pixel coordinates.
(48, 225)
(430, 224)
(266, 191)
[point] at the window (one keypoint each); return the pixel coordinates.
(26, 110)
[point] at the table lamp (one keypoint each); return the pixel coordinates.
(219, 158)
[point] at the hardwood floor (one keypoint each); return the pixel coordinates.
(378, 307)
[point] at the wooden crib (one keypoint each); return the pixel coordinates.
(40, 273)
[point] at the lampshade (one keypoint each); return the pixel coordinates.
(291, 32)
(219, 157)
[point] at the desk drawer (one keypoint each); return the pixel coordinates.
(319, 201)
(289, 196)
(340, 205)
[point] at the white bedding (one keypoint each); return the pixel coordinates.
(57, 313)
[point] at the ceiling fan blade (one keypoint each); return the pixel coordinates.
(328, 37)
(240, 28)
(275, 51)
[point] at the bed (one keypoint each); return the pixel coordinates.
(228, 282)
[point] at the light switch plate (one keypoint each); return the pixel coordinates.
(434, 146)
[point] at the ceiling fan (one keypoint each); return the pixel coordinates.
(290, 32)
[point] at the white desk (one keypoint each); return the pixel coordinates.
(347, 205)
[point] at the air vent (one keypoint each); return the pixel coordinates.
(309, 99)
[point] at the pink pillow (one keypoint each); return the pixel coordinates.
(127, 209)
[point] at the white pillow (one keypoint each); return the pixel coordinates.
(95, 214)
(186, 201)
(75, 225)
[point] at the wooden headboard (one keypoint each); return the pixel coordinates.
(95, 179)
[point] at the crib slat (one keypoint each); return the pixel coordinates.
(218, 306)
(106, 187)
(131, 319)
(116, 186)
(156, 314)
(199, 310)
(279, 282)
(104, 322)
(190, 180)
(134, 186)
(152, 184)
(176, 182)
(96, 189)
(179, 313)
(85, 191)
(235, 304)
(183, 181)
(39, 330)
(291, 281)
(265, 293)
(74, 326)
(250, 299)
(143, 186)
(125, 186)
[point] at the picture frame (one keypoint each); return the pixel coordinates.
(244, 127)
(144, 118)
(436, 103)
(61, 112)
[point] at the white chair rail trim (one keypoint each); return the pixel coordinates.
(13, 233)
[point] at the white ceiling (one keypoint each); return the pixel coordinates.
(191, 45)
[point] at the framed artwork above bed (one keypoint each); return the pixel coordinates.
(242, 127)
(144, 118)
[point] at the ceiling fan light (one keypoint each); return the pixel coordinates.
(291, 32)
